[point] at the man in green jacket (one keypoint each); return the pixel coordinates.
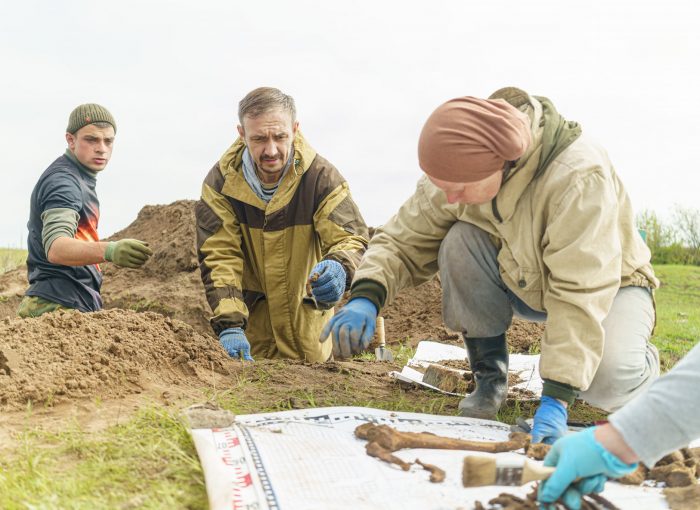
(65, 252)
(278, 234)
(522, 215)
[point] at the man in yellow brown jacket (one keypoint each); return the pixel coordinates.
(273, 216)
(521, 214)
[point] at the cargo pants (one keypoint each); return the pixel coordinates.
(477, 302)
(34, 306)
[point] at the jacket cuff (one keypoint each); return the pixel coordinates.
(218, 324)
(369, 289)
(559, 390)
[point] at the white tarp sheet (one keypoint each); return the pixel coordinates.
(310, 459)
(525, 366)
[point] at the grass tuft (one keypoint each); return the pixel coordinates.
(148, 462)
(11, 258)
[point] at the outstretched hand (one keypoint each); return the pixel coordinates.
(352, 328)
(130, 253)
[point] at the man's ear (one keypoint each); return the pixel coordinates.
(70, 140)
(241, 133)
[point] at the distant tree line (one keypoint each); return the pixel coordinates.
(677, 242)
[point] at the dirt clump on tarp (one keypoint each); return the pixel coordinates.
(683, 498)
(68, 355)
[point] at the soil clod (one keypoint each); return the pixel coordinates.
(448, 379)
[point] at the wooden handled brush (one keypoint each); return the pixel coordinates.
(482, 471)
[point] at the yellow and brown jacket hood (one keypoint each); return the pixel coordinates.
(255, 257)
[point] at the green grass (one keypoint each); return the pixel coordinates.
(677, 312)
(10, 258)
(150, 461)
(145, 305)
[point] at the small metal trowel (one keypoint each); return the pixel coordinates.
(381, 352)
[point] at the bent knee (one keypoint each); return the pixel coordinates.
(613, 387)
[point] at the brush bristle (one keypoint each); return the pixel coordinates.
(478, 471)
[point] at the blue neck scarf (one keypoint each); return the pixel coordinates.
(251, 176)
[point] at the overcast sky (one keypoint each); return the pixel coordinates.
(364, 74)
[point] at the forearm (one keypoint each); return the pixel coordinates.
(404, 251)
(67, 251)
(667, 416)
(613, 441)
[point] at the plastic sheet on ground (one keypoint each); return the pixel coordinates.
(523, 365)
(310, 459)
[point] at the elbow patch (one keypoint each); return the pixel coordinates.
(347, 215)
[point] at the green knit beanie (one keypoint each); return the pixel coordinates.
(89, 114)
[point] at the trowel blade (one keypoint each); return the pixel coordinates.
(383, 354)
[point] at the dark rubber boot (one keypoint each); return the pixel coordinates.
(488, 358)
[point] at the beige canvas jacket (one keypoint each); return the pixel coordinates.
(567, 244)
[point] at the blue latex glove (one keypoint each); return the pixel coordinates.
(549, 421)
(233, 340)
(579, 457)
(352, 327)
(330, 285)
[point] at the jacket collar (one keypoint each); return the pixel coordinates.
(236, 187)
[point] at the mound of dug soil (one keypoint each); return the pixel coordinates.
(170, 284)
(68, 355)
(416, 314)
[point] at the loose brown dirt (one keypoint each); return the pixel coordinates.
(170, 284)
(153, 342)
(71, 355)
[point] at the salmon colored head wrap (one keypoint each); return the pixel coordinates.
(468, 139)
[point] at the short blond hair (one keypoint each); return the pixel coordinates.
(263, 100)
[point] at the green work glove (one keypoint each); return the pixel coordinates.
(128, 252)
